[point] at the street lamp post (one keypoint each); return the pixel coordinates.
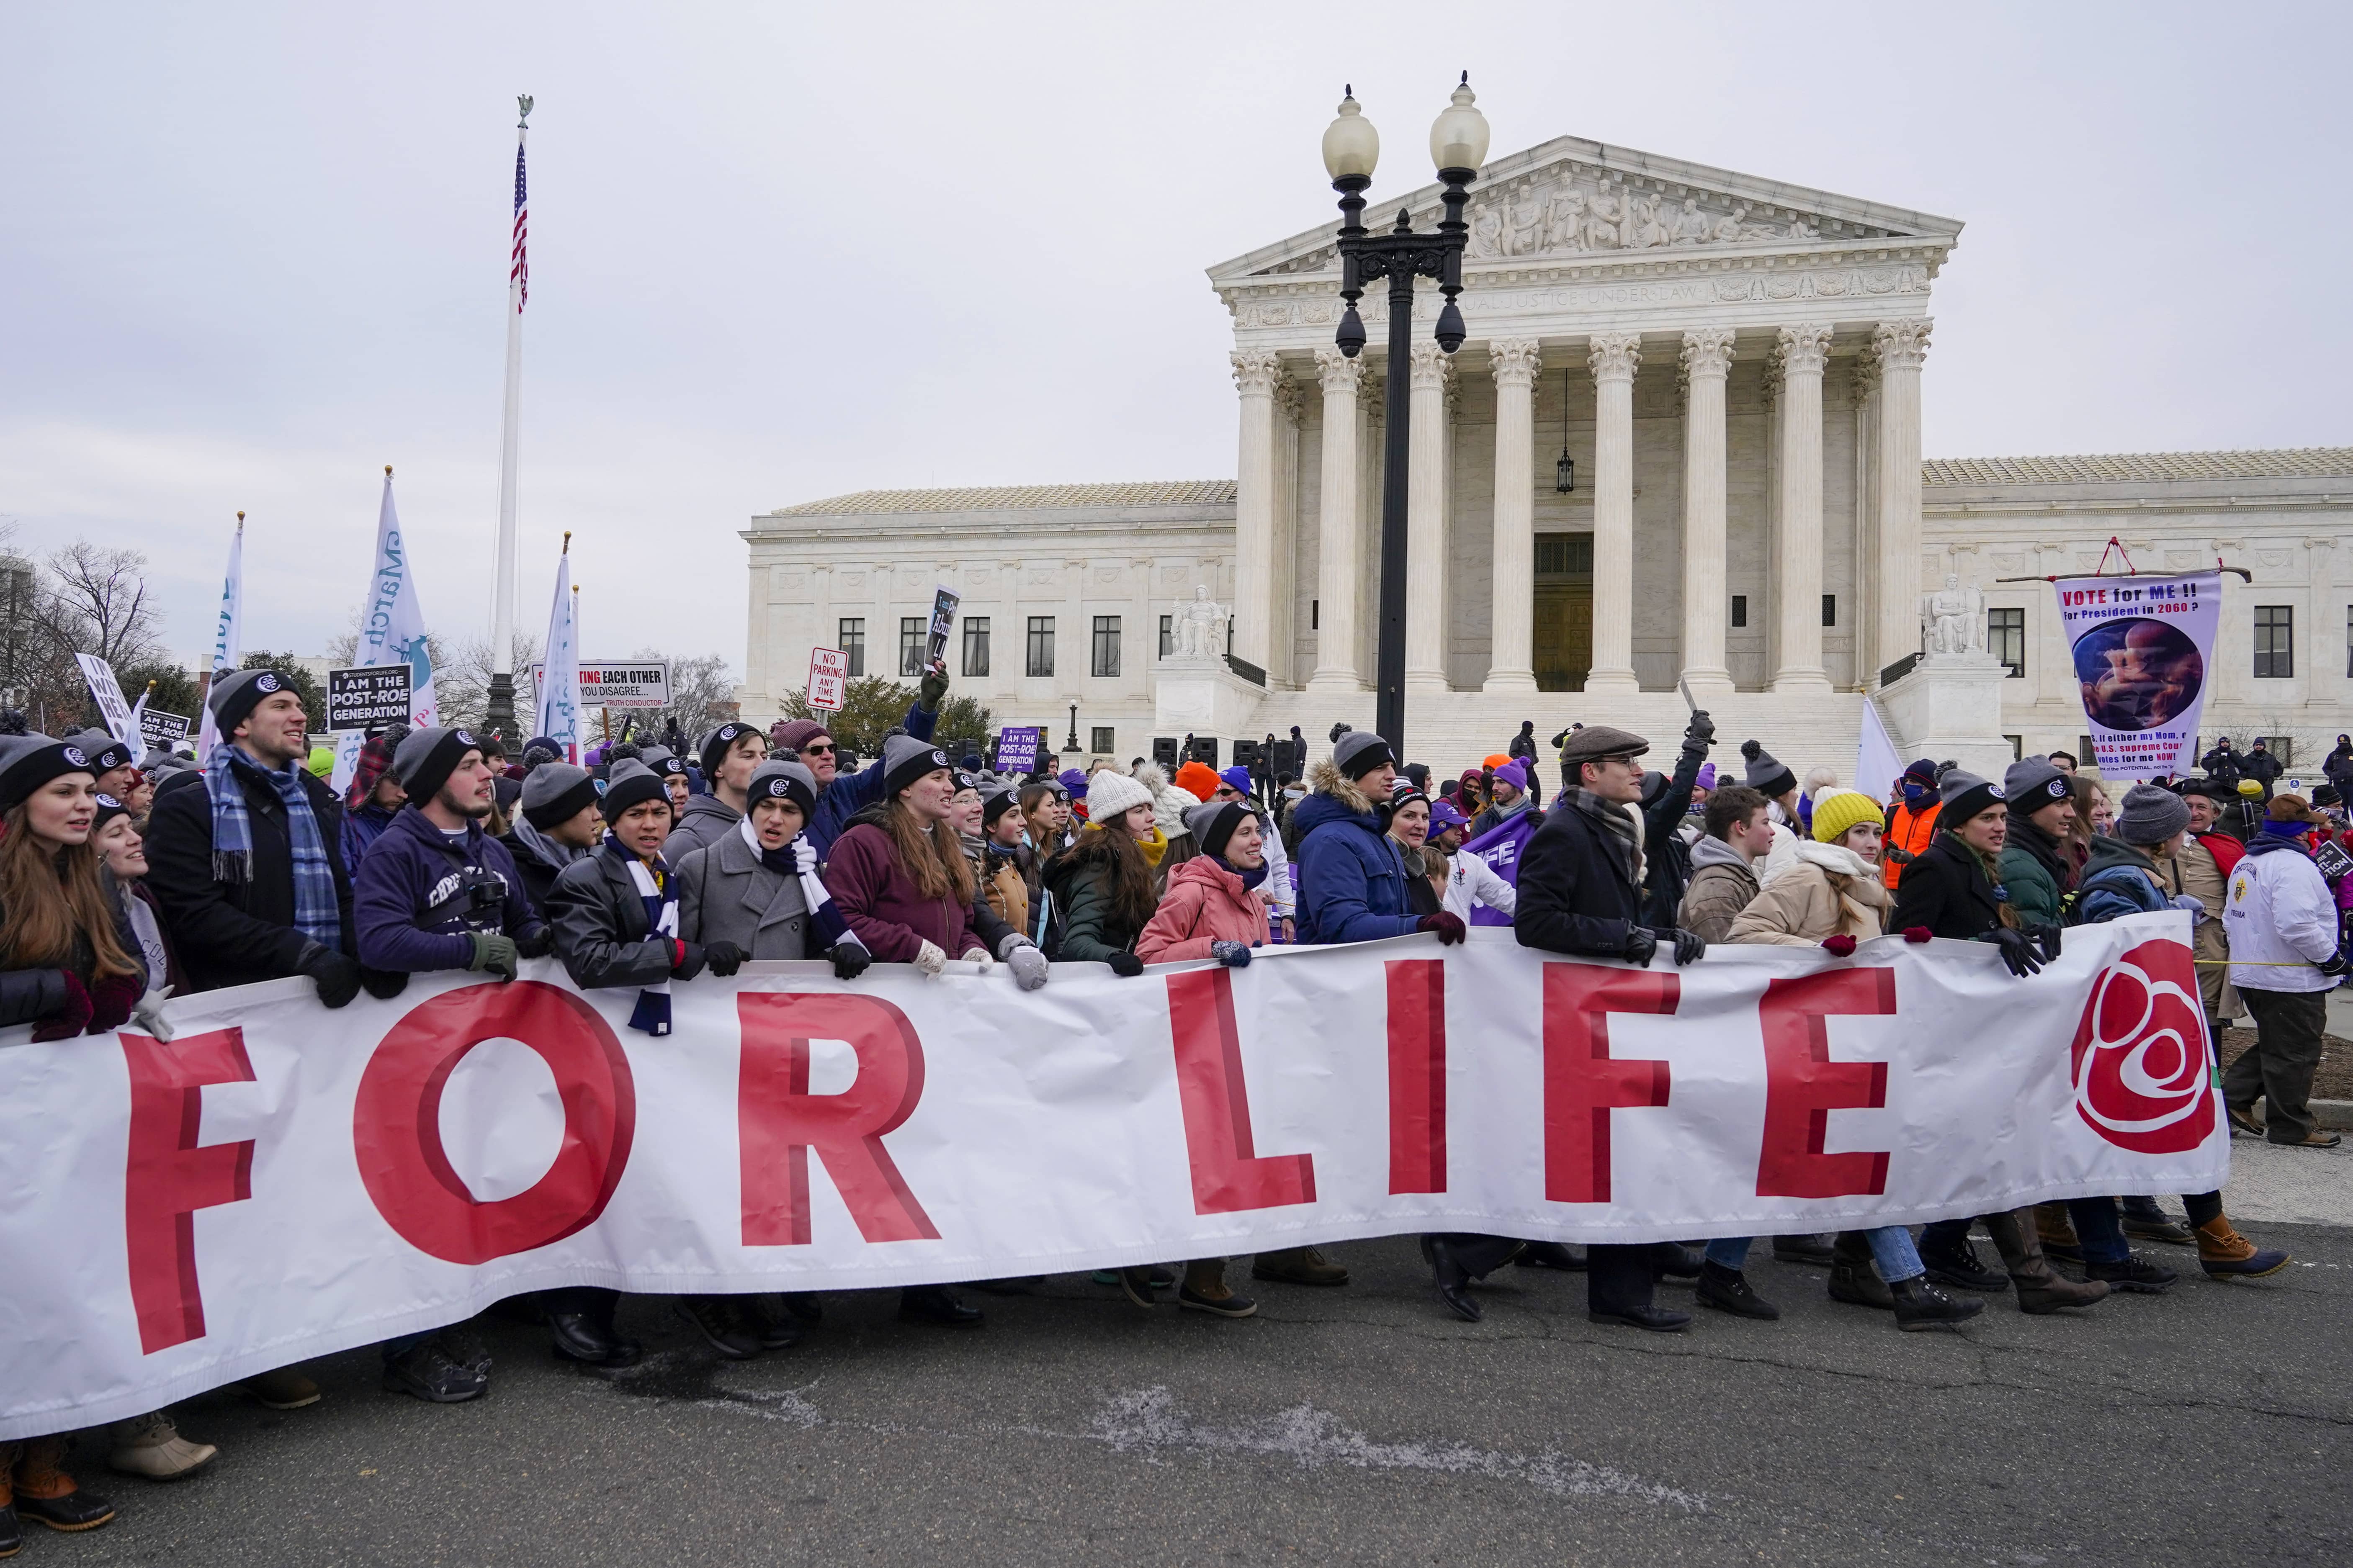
(1458, 146)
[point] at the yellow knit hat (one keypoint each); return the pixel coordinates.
(1837, 810)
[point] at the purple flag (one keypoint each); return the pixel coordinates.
(1499, 847)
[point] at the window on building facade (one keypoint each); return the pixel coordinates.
(2348, 640)
(1739, 609)
(2281, 747)
(1042, 644)
(2006, 640)
(1167, 635)
(1314, 614)
(1102, 740)
(853, 643)
(2274, 642)
(1830, 609)
(2017, 746)
(975, 645)
(910, 644)
(1103, 658)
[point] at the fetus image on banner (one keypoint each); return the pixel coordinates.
(2137, 674)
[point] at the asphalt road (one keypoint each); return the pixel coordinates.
(1360, 1425)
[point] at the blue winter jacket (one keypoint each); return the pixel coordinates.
(2117, 880)
(414, 865)
(846, 798)
(361, 828)
(1351, 874)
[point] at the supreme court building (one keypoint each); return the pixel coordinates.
(1680, 446)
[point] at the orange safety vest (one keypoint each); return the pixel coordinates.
(1911, 832)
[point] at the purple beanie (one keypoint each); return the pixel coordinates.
(1514, 773)
(1075, 782)
(1706, 779)
(1237, 778)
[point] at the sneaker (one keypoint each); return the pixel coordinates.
(771, 1324)
(2131, 1273)
(1728, 1290)
(720, 1323)
(1959, 1266)
(1227, 1305)
(2242, 1121)
(2159, 1227)
(1136, 1284)
(2224, 1254)
(467, 1347)
(152, 1446)
(1298, 1266)
(2318, 1137)
(423, 1370)
(284, 1389)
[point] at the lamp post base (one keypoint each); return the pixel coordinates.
(500, 716)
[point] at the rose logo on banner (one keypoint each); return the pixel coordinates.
(2139, 1055)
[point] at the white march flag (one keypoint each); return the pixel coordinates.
(282, 1182)
(392, 630)
(228, 632)
(2143, 648)
(557, 712)
(1877, 764)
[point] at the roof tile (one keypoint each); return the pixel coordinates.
(2128, 468)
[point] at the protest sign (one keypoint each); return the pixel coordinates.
(365, 696)
(944, 613)
(107, 694)
(1018, 749)
(163, 731)
(2142, 648)
(639, 683)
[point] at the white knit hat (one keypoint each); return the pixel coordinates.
(1110, 793)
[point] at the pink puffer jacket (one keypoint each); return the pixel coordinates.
(1203, 903)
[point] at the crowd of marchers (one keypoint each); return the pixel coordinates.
(125, 879)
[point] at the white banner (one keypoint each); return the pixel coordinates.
(2142, 647)
(392, 631)
(280, 1182)
(556, 679)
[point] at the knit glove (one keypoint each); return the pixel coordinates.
(979, 956)
(73, 1017)
(1446, 924)
(1639, 945)
(723, 957)
(2017, 950)
(1917, 934)
(383, 984)
(148, 1014)
(691, 960)
(1839, 945)
(1126, 964)
(1689, 946)
(930, 960)
(337, 977)
(850, 958)
(803, 855)
(1700, 734)
(1028, 964)
(111, 1001)
(2194, 904)
(934, 688)
(1232, 954)
(495, 953)
(537, 942)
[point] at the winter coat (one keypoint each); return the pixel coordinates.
(1911, 832)
(840, 802)
(1577, 888)
(239, 933)
(538, 860)
(2223, 765)
(1494, 816)
(2263, 768)
(2118, 879)
(599, 922)
(361, 828)
(1723, 882)
(881, 901)
(1666, 857)
(706, 820)
(1004, 881)
(1831, 891)
(1947, 890)
(2198, 871)
(1421, 894)
(411, 907)
(2279, 920)
(1471, 881)
(2035, 871)
(29, 994)
(138, 907)
(727, 893)
(1351, 873)
(1277, 869)
(1204, 903)
(1081, 880)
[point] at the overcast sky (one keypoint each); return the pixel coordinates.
(251, 253)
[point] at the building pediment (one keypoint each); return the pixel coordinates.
(1581, 204)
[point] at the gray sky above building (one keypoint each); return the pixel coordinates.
(254, 252)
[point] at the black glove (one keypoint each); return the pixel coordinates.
(337, 977)
(2017, 950)
(1689, 944)
(690, 963)
(383, 984)
(1447, 925)
(849, 959)
(495, 953)
(1639, 945)
(2046, 937)
(2335, 964)
(724, 958)
(537, 942)
(1232, 954)
(1560, 740)
(932, 691)
(1700, 731)
(1126, 964)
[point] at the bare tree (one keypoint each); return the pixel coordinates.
(462, 676)
(96, 602)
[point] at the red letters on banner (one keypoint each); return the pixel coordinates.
(396, 1120)
(1228, 1177)
(1582, 1084)
(1417, 1075)
(778, 1120)
(170, 1175)
(1803, 1086)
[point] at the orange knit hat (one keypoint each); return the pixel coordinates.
(1197, 779)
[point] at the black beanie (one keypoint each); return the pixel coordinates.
(906, 760)
(235, 696)
(109, 808)
(718, 742)
(28, 761)
(631, 783)
(424, 761)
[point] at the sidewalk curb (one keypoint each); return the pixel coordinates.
(2332, 1113)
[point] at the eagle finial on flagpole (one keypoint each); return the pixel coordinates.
(522, 101)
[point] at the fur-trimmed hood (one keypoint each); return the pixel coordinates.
(1324, 777)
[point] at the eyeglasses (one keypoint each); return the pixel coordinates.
(818, 748)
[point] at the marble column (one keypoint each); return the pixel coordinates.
(1900, 347)
(1255, 374)
(1706, 359)
(1613, 358)
(1797, 562)
(1340, 538)
(1425, 526)
(1511, 663)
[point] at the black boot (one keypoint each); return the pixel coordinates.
(720, 1323)
(1554, 1255)
(1809, 1249)
(2134, 1274)
(936, 1304)
(1920, 1305)
(579, 1337)
(1858, 1284)
(1674, 1260)
(1728, 1290)
(1453, 1280)
(1957, 1264)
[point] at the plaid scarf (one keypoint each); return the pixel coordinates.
(1614, 822)
(659, 892)
(316, 912)
(375, 761)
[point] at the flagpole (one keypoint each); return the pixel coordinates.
(500, 716)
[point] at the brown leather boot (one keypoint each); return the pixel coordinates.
(2042, 1290)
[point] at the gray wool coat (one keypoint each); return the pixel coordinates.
(725, 894)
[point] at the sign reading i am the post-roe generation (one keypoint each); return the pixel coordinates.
(361, 697)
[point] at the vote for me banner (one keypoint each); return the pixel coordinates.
(2143, 648)
(280, 1181)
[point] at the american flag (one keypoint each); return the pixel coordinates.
(518, 266)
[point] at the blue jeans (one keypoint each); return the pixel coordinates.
(2100, 1228)
(1891, 1251)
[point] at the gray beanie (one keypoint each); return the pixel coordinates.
(2151, 815)
(905, 759)
(1767, 776)
(780, 778)
(105, 753)
(556, 792)
(28, 761)
(1964, 795)
(426, 758)
(2033, 783)
(628, 783)
(1358, 752)
(235, 696)
(1213, 822)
